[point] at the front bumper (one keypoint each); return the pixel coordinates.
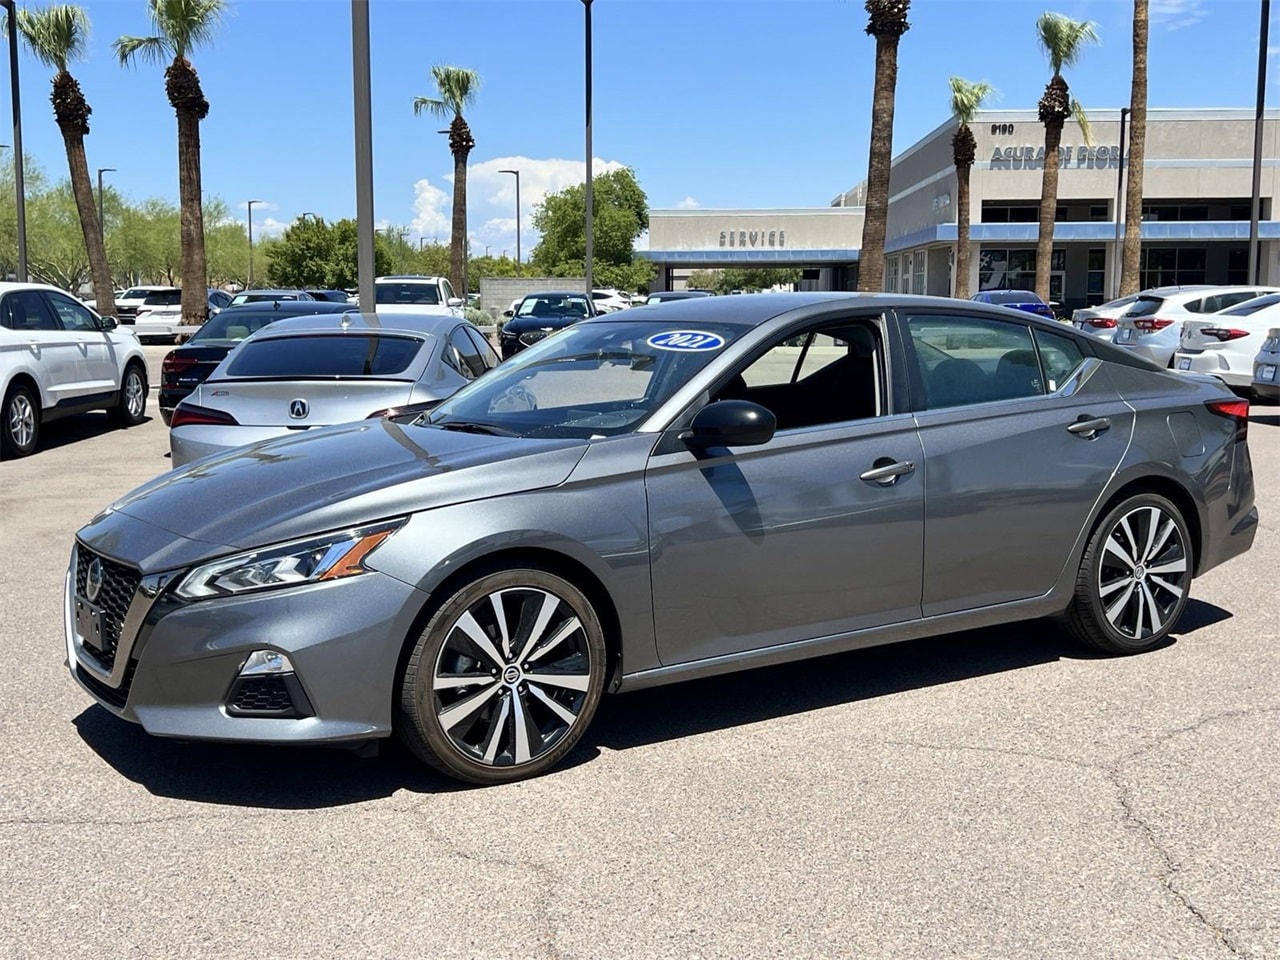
(177, 663)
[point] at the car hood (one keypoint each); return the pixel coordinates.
(525, 324)
(335, 477)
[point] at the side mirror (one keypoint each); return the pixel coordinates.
(454, 302)
(109, 323)
(508, 313)
(731, 423)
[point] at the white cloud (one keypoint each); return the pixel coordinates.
(1176, 14)
(258, 205)
(269, 227)
(688, 203)
(433, 212)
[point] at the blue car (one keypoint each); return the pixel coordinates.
(1017, 299)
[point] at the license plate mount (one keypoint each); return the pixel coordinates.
(89, 625)
(1184, 363)
(1268, 372)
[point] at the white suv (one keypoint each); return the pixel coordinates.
(417, 294)
(58, 357)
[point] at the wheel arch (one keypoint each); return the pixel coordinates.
(1171, 490)
(26, 379)
(539, 558)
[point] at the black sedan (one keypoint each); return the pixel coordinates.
(187, 366)
(540, 314)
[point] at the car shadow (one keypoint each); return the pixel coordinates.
(73, 429)
(292, 778)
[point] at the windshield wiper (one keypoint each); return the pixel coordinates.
(472, 426)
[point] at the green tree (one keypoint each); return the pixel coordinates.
(1131, 269)
(887, 22)
(966, 100)
(182, 26)
(621, 214)
(56, 35)
(311, 253)
(226, 245)
(55, 250)
(147, 243)
(1062, 40)
(457, 88)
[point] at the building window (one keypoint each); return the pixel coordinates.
(1096, 279)
(891, 275)
(1014, 269)
(1099, 213)
(1172, 266)
(1238, 266)
(917, 272)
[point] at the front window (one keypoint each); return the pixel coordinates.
(416, 294)
(590, 380)
(325, 357)
(74, 316)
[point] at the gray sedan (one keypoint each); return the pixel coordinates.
(307, 372)
(651, 496)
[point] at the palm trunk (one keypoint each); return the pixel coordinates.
(1048, 207)
(962, 231)
(457, 249)
(875, 219)
(1131, 269)
(195, 286)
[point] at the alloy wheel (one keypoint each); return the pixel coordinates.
(512, 676)
(135, 396)
(21, 421)
(1143, 574)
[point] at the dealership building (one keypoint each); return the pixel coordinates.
(1197, 187)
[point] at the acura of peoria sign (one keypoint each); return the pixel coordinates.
(1030, 157)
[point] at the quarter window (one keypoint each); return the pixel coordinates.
(1059, 355)
(462, 355)
(964, 360)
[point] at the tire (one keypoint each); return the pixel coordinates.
(1123, 605)
(473, 707)
(19, 422)
(131, 409)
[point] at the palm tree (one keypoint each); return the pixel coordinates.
(887, 22)
(56, 35)
(1063, 40)
(183, 26)
(457, 88)
(966, 100)
(1131, 271)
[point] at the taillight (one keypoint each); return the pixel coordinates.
(173, 363)
(407, 408)
(1151, 324)
(1234, 409)
(1103, 323)
(186, 414)
(1224, 333)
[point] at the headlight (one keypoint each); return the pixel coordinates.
(329, 557)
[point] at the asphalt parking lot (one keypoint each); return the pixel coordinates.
(997, 793)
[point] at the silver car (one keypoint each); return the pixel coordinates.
(305, 372)
(655, 495)
(1266, 368)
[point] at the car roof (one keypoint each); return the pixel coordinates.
(295, 308)
(354, 322)
(270, 290)
(554, 293)
(1191, 293)
(401, 277)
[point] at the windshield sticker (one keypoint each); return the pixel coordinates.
(686, 340)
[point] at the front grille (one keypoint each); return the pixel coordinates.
(277, 695)
(116, 697)
(119, 584)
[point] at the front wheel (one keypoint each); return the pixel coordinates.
(504, 679)
(19, 422)
(1134, 578)
(131, 409)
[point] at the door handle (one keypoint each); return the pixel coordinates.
(1089, 428)
(886, 471)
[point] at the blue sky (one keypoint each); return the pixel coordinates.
(714, 103)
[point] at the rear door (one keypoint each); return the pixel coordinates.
(1020, 433)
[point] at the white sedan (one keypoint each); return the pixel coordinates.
(1266, 368)
(1152, 327)
(1225, 344)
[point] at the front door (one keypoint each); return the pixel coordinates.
(758, 546)
(97, 364)
(42, 343)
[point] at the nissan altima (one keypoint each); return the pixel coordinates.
(654, 495)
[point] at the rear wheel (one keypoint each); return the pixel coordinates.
(19, 422)
(504, 678)
(1134, 578)
(131, 409)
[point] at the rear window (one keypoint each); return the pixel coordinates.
(346, 355)
(1144, 307)
(1253, 306)
(240, 298)
(411, 293)
(138, 293)
(1012, 296)
(164, 298)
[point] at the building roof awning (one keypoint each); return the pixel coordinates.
(739, 255)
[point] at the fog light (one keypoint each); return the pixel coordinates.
(265, 662)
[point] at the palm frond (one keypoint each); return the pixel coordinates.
(153, 49)
(458, 86)
(1063, 39)
(1082, 118)
(56, 35)
(187, 24)
(968, 96)
(437, 108)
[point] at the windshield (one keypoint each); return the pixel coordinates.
(412, 293)
(325, 357)
(240, 298)
(590, 380)
(1012, 296)
(554, 305)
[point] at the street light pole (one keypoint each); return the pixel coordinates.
(15, 93)
(102, 223)
(516, 174)
(1120, 172)
(590, 202)
(250, 205)
(1255, 210)
(362, 99)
